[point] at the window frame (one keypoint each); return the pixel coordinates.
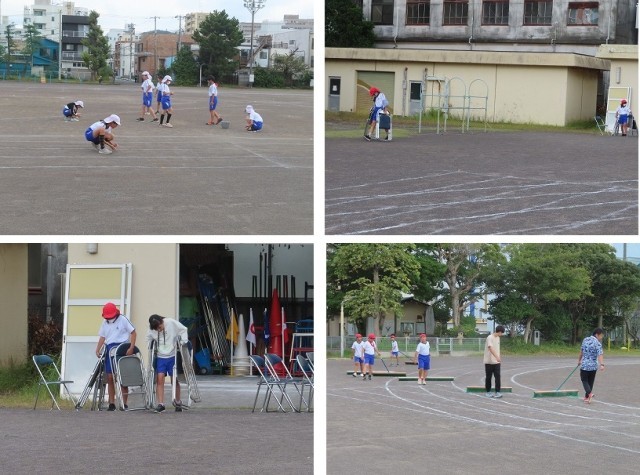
(417, 4)
(386, 10)
(493, 18)
(584, 6)
(548, 6)
(447, 17)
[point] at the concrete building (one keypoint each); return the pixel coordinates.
(124, 53)
(47, 16)
(154, 50)
(192, 21)
(534, 61)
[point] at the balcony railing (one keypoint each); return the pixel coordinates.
(71, 56)
(74, 34)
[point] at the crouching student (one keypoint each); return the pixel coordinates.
(165, 332)
(101, 133)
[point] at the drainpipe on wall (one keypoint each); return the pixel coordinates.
(606, 42)
(471, 36)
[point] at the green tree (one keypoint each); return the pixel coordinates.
(185, 68)
(97, 47)
(32, 42)
(218, 37)
(290, 66)
(464, 265)
(345, 26)
(544, 276)
(11, 47)
(370, 279)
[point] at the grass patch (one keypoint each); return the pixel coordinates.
(19, 385)
(351, 124)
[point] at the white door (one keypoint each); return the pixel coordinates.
(87, 289)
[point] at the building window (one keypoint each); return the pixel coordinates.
(382, 12)
(583, 13)
(537, 13)
(456, 12)
(495, 12)
(418, 12)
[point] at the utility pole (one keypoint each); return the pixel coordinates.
(60, 45)
(253, 6)
(155, 45)
(132, 29)
(179, 17)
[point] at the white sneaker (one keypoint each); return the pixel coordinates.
(355, 375)
(419, 381)
(75, 120)
(105, 151)
(489, 394)
(424, 382)
(95, 146)
(498, 395)
(168, 125)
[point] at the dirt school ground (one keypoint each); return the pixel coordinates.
(191, 179)
(476, 183)
(218, 435)
(389, 426)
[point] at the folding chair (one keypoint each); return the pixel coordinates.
(270, 384)
(307, 378)
(272, 361)
(310, 359)
(45, 364)
(633, 126)
(602, 127)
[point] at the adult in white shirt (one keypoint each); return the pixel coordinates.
(492, 361)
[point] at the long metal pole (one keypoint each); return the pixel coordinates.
(251, 50)
(60, 47)
(342, 329)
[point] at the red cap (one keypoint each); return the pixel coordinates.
(373, 91)
(393, 335)
(623, 101)
(110, 311)
(372, 336)
(358, 335)
(423, 334)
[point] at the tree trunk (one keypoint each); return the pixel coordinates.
(527, 330)
(376, 281)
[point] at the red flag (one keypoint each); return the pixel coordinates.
(275, 326)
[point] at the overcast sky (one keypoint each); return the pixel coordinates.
(117, 13)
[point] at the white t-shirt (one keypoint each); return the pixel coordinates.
(254, 116)
(116, 332)
(213, 90)
(493, 342)
(370, 347)
(358, 349)
(394, 346)
(147, 85)
(380, 100)
(423, 348)
(167, 339)
(97, 125)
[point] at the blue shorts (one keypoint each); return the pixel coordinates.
(166, 103)
(88, 134)
(212, 105)
(159, 96)
(395, 353)
(256, 125)
(374, 113)
(107, 366)
(147, 98)
(369, 359)
(357, 359)
(66, 112)
(164, 365)
(622, 119)
(424, 362)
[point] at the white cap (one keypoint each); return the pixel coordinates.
(167, 78)
(145, 73)
(112, 118)
(249, 109)
(79, 103)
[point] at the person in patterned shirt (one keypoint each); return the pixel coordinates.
(590, 361)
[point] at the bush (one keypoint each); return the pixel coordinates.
(44, 338)
(267, 78)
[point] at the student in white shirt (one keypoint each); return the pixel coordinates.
(358, 355)
(423, 358)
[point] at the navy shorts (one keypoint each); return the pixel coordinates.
(166, 103)
(66, 112)
(424, 362)
(212, 105)
(147, 99)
